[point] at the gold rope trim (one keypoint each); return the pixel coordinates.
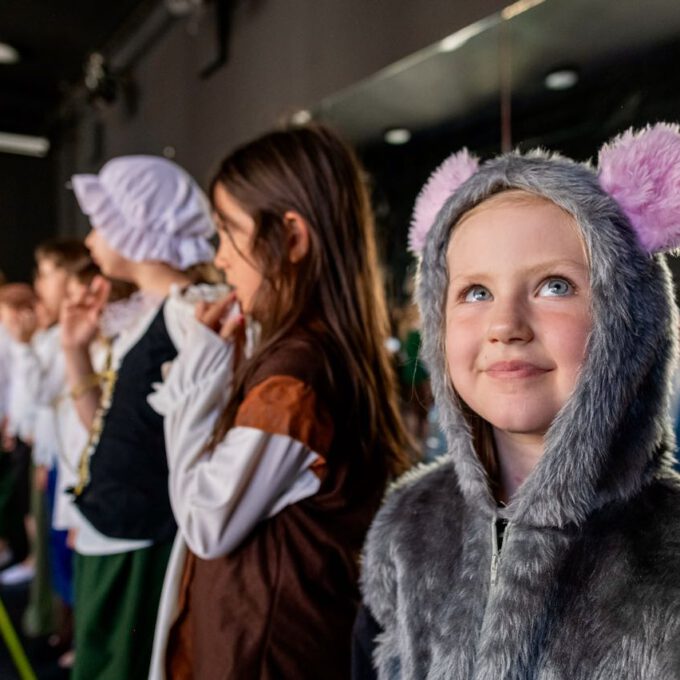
(106, 379)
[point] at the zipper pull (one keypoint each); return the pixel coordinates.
(494, 569)
(498, 527)
(494, 552)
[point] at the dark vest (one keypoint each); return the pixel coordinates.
(127, 496)
(282, 604)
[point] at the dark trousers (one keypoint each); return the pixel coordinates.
(15, 467)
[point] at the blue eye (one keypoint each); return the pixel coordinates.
(477, 294)
(556, 288)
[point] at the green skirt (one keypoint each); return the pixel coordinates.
(40, 615)
(116, 602)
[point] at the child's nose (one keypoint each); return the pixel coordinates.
(218, 261)
(509, 323)
(221, 260)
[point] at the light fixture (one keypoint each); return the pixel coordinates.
(519, 7)
(459, 38)
(25, 145)
(392, 345)
(100, 83)
(561, 79)
(8, 54)
(397, 136)
(182, 8)
(301, 117)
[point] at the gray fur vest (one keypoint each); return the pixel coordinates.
(586, 584)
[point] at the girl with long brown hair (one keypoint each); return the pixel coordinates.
(281, 421)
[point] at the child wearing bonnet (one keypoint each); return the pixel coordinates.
(546, 544)
(151, 227)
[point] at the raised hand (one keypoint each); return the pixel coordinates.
(79, 319)
(223, 317)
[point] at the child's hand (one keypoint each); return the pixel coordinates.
(225, 319)
(80, 319)
(40, 478)
(220, 317)
(8, 442)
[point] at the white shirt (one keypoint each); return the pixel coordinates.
(5, 372)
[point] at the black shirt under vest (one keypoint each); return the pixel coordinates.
(127, 496)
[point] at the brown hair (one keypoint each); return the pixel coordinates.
(66, 254)
(87, 270)
(522, 197)
(18, 296)
(336, 288)
(203, 272)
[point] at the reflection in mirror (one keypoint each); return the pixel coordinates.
(566, 75)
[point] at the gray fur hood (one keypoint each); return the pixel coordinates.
(587, 583)
(624, 386)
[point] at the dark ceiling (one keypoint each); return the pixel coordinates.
(609, 42)
(626, 54)
(54, 39)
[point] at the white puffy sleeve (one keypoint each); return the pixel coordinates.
(264, 463)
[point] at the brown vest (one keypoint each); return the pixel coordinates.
(282, 605)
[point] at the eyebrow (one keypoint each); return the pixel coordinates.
(541, 267)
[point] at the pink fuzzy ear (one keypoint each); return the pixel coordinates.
(641, 171)
(442, 183)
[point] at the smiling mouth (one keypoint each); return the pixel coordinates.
(514, 369)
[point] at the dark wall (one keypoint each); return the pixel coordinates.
(640, 89)
(283, 56)
(27, 211)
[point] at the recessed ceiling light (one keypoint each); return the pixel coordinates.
(301, 117)
(8, 54)
(561, 79)
(24, 145)
(397, 136)
(461, 37)
(519, 7)
(392, 345)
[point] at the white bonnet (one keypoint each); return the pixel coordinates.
(148, 208)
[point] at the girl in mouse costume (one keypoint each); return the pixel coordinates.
(546, 545)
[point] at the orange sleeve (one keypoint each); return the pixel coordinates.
(285, 405)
